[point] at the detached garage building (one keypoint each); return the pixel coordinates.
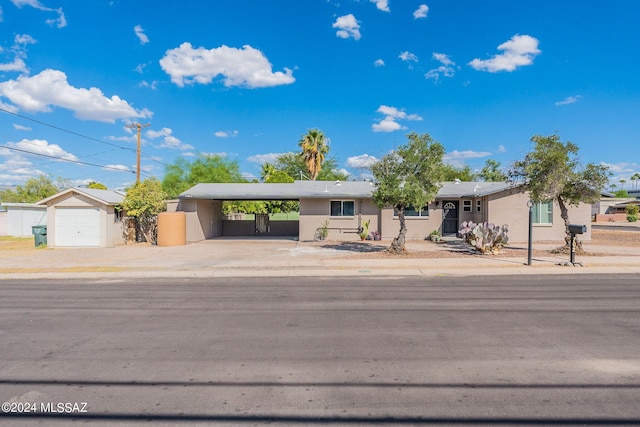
(83, 217)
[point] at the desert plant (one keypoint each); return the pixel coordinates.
(364, 230)
(484, 237)
(323, 231)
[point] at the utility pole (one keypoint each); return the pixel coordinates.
(139, 127)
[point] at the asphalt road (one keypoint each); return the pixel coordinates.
(542, 350)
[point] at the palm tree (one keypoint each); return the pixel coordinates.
(266, 171)
(635, 177)
(622, 181)
(314, 148)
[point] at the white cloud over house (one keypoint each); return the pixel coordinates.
(446, 68)
(50, 88)
(569, 100)
(41, 147)
(382, 5)
(348, 27)
(59, 22)
(168, 140)
(363, 161)
(408, 56)
(140, 34)
(391, 120)
(264, 158)
(458, 158)
(421, 12)
(246, 67)
(518, 51)
(226, 133)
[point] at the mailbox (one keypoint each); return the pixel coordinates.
(577, 229)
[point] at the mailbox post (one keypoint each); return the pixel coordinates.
(573, 230)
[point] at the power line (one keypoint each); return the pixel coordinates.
(67, 160)
(81, 136)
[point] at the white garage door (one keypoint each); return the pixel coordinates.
(77, 227)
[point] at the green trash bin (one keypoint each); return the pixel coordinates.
(39, 234)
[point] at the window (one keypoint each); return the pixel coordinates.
(543, 212)
(342, 207)
(466, 205)
(478, 205)
(410, 211)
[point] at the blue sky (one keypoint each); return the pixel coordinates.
(247, 78)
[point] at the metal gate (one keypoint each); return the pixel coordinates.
(262, 224)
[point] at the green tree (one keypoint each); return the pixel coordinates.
(314, 147)
(621, 194)
(635, 177)
(276, 206)
(409, 176)
(144, 201)
(293, 164)
(463, 173)
(491, 172)
(33, 190)
(97, 185)
(183, 174)
(552, 172)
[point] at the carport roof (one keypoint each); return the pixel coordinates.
(293, 191)
(325, 190)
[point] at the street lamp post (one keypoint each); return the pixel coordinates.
(529, 246)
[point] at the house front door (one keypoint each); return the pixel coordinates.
(450, 217)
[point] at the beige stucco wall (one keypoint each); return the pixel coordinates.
(417, 227)
(511, 208)
(204, 218)
(110, 229)
(313, 212)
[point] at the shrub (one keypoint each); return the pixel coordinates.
(484, 237)
(632, 218)
(632, 210)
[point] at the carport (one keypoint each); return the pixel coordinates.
(205, 219)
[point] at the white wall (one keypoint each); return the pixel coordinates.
(22, 218)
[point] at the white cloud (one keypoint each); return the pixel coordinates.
(446, 69)
(239, 67)
(40, 146)
(383, 5)
(421, 12)
(226, 134)
(569, 100)
(24, 39)
(362, 161)
(169, 141)
(141, 35)
(621, 168)
(379, 63)
(153, 85)
(60, 22)
(408, 56)
(17, 65)
(502, 148)
(458, 158)
(517, 52)
(264, 158)
(20, 127)
(347, 26)
(118, 167)
(50, 88)
(390, 122)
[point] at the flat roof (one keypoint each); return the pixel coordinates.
(325, 190)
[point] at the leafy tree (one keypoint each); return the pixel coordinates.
(463, 173)
(409, 176)
(314, 147)
(33, 190)
(183, 174)
(293, 164)
(144, 201)
(552, 172)
(491, 172)
(97, 185)
(621, 194)
(277, 206)
(266, 170)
